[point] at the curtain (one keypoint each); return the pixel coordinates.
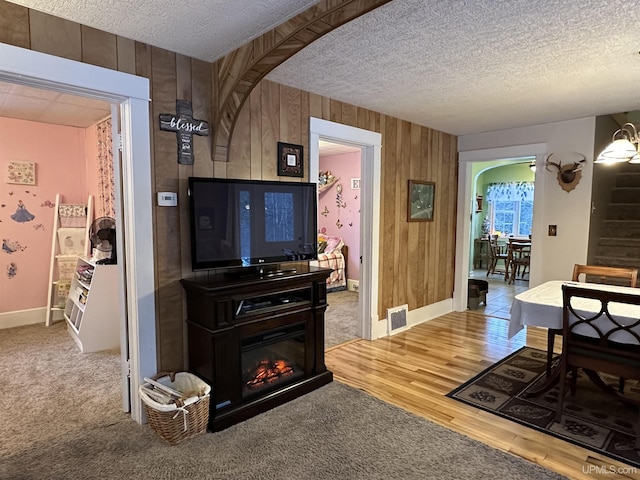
(510, 192)
(105, 204)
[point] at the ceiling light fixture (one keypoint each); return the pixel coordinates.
(623, 148)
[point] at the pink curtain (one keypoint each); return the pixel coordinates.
(105, 204)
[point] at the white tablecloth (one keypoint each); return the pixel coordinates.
(541, 306)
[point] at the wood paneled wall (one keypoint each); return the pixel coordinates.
(416, 259)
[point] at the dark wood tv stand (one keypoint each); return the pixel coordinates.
(231, 321)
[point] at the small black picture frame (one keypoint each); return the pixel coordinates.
(290, 160)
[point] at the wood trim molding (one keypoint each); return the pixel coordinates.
(237, 73)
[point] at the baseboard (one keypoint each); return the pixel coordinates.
(415, 317)
(26, 317)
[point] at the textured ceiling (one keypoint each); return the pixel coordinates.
(461, 67)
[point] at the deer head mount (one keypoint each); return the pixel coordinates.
(568, 175)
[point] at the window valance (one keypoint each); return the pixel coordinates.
(510, 192)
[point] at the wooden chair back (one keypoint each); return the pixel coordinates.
(604, 350)
(606, 275)
(594, 274)
(518, 258)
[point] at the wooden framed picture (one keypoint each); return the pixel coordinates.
(421, 200)
(290, 160)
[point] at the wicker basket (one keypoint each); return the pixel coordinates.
(176, 423)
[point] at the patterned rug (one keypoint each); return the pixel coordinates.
(592, 419)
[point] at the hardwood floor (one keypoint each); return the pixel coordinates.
(416, 368)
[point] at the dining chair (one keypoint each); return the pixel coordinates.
(518, 258)
(594, 274)
(497, 253)
(602, 352)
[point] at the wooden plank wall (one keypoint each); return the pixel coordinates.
(416, 261)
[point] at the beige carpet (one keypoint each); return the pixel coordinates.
(62, 421)
(341, 317)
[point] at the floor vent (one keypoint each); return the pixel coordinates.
(397, 319)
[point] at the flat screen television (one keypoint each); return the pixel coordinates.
(243, 223)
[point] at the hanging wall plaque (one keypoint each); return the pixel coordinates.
(185, 127)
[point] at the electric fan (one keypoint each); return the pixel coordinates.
(103, 240)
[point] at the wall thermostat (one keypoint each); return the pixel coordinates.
(167, 199)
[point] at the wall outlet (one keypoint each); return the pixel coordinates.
(553, 230)
(353, 285)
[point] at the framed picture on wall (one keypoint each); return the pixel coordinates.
(290, 160)
(21, 173)
(421, 200)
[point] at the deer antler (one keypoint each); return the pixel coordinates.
(567, 173)
(552, 164)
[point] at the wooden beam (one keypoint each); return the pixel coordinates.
(237, 73)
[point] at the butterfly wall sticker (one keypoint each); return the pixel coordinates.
(325, 212)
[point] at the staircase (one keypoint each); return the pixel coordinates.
(619, 243)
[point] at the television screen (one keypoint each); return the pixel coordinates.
(250, 222)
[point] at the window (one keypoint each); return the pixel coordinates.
(512, 218)
(511, 208)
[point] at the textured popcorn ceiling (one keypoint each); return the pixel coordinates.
(457, 66)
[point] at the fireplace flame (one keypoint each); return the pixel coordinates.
(268, 372)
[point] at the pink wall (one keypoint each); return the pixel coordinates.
(345, 166)
(59, 154)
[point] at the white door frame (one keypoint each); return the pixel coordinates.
(371, 145)
(131, 93)
(465, 190)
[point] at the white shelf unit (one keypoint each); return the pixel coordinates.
(64, 256)
(93, 306)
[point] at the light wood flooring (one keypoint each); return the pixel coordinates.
(416, 368)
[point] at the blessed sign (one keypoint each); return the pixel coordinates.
(185, 127)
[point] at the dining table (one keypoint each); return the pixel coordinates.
(542, 306)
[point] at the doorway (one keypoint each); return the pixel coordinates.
(339, 206)
(131, 95)
(502, 213)
(471, 163)
(370, 145)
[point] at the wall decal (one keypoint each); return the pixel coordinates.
(325, 212)
(12, 270)
(338, 224)
(185, 127)
(39, 226)
(23, 173)
(339, 202)
(22, 214)
(48, 203)
(11, 247)
(11, 192)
